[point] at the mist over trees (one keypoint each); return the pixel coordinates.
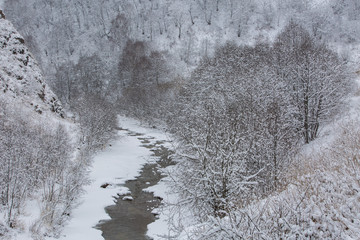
(146, 85)
(63, 33)
(113, 48)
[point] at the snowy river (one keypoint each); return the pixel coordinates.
(120, 203)
(134, 211)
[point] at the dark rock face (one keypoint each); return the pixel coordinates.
(2, 15)
(105, 185)
(20, 75)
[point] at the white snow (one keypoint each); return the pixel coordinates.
(127, 198)
(160, 228)
(120, 162)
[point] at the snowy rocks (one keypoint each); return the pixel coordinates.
(105, 185)
(128, 198)
(2, 15)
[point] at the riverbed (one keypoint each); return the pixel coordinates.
(115, 205)
(133, 211)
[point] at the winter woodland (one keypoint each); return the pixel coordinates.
(260, 98)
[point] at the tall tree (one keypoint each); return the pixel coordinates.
(316, 77)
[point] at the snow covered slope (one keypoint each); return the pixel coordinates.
(20, 75)
(37, 145)
(320, 200)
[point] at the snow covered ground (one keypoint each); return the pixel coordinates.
(118, 163)
(160, 229)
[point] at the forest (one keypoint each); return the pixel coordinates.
(260, 97)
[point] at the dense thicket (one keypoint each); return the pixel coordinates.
(146, 81)
(82, 89)
(37, 161)
(245, 111)
(317, 78)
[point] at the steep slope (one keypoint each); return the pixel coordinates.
(320, 202)
(20, 75)
(41, 172)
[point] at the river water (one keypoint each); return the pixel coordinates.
(132, 212)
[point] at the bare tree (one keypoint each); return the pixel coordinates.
(316, 77)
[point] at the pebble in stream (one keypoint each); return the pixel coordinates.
(132, 213)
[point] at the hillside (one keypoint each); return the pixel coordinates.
(318, 197)
(37, 146)
(63, 35)
(20, 75)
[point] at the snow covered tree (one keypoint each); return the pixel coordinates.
(145, 80)
(235, 133)
(36, 159)
(97, 120)
(241, 116)
(316, 77)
